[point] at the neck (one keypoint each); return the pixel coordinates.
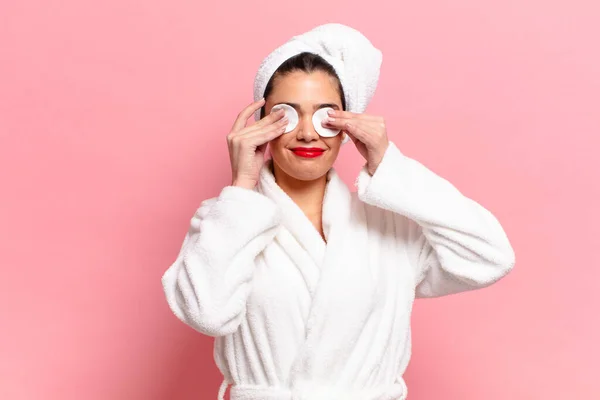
(308, 195)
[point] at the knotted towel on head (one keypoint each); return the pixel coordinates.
(356, 61)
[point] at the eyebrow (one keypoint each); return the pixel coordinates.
(315, 107)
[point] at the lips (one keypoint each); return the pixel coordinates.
(308, 152)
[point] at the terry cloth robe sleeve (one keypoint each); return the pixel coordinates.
(208, 284)
(455, 244)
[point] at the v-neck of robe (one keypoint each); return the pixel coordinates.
(294, 219)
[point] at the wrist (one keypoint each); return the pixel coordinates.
(244, 184)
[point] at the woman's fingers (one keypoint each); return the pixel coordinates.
(339, 123)
(274, 120)
(351, 115)
(274, 117)
(269, 118)
(358, 128)
(242, 118)
(357, 132)
(265, 134)
(335, 122)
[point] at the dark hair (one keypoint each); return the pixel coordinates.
(306, 62)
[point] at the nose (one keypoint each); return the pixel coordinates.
(305, 130)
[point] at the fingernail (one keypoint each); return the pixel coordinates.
(331, 112)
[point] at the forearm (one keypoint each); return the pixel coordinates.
(208, 284)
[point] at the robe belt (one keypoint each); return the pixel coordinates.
(396, 391)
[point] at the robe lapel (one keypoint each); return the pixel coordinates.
(294, 219)
(339, 278)
(299, 238)
(344, 296)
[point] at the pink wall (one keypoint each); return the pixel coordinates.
(113, 118)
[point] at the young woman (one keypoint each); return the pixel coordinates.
(308, 287)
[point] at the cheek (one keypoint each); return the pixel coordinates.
(278, 145)
(334, 143)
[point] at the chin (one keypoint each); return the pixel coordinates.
(304, 169)
(307, 175)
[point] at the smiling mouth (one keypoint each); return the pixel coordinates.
(308, 153)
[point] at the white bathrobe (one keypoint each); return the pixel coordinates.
(298, 318)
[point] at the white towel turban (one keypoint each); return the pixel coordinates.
(356, 61)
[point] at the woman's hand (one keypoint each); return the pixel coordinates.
(247, 145)
(368, 132)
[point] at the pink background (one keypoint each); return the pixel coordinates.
(113, 118)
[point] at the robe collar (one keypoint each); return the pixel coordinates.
(335, 211)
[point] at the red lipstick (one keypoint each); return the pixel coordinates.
(308, 152)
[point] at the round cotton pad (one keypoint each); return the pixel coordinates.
(290, 113)
(318, 117)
